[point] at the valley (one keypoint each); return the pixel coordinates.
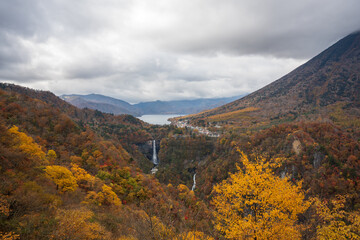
(281, 162)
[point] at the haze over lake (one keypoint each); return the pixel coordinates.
(159, 119)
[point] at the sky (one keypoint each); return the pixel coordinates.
(164, 49)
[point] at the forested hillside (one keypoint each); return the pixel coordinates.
(64, 172)
(282, 163)
(60, 163)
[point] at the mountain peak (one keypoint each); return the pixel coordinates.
(332, 76)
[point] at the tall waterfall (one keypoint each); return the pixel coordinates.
(154, 157)
(194, 184)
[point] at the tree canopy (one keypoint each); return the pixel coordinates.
(62, 177)
(255, 203)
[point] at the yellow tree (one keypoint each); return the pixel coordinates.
(193, 235)
(335, 222)
(126, 238)
(105, 197)
(256, 204)
(62, 177)
(27, 145)
(78, 224)
(51, 156)
(83, 178)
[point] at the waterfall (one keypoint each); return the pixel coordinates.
(194, 185)
(154, 157)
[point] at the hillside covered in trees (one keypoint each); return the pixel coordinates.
(66, 173)
(273, 173)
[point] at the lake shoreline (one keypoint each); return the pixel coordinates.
(159, 119)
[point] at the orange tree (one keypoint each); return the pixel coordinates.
(256, 204)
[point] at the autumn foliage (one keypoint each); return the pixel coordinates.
(62, 177)
(335, 221)
(254, 203)
(67, 173)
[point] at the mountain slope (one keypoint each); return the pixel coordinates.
(330, 78)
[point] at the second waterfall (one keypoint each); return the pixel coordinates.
(194, 184)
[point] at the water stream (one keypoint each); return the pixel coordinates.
(194, 184)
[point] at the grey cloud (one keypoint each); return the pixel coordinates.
(92, 68)
(11, 52)
(280, 28)
(20, 21)
(27, 19)
(147, 50)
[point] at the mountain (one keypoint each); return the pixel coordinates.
(182, 106)
(325, 84)
(101, 103)
(116, 106)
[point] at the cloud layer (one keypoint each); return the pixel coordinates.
(164, 49)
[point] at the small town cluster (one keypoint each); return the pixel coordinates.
(199, 130)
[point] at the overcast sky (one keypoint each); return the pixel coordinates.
(164, 49)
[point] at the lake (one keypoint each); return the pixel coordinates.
(159, 119)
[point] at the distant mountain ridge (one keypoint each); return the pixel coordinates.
(101, 103)
(313, 89)
(116, 106)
